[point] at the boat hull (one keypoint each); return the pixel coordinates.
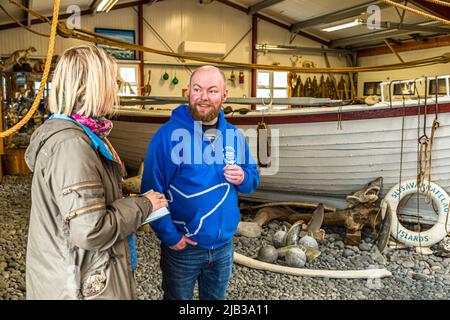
(324, 152)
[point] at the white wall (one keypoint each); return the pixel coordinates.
(19, 38)
(429, 71)
(176, 21)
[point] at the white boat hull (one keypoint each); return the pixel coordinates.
(325, 158)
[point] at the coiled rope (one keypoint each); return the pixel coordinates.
(51, 46)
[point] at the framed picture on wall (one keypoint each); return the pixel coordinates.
(123, 35)
(372, 88)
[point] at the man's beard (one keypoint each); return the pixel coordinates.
(211, 115)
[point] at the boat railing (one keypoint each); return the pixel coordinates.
(299, 101)
(390, 84)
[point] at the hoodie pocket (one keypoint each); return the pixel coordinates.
(231, 216)
(193, 226)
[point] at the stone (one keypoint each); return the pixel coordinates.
(419, 276)
(249, 229)
(378, 258)
(408, 264)
(339, 244)
(365, 246)
(348, 253)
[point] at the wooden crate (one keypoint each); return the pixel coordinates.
(14, 161)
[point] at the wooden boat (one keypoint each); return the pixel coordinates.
(324, 153)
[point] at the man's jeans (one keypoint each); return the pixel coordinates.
(181, 269)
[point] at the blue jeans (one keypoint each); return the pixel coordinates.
(182, 269)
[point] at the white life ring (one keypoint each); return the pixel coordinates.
(426, 238)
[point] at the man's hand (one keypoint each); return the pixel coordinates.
(157, 199)
(182, 243)
(234, 174)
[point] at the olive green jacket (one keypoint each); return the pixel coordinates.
(79, 223)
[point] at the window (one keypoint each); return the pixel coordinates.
(404, 88)
(272, 84)
(372, 88)
(47, 88)
(441, 86)
(129, 74)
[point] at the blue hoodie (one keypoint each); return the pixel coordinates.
(187, 168)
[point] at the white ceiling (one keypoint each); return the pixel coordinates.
(292, 11)
(287, 11)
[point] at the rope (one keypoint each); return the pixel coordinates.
(441, 3)
(34, 13)
(339, 121)
(21, 24)
(426, 148)
(51, 46)
(90, 36)
(87, 35)
(401, 162)
(415, 11)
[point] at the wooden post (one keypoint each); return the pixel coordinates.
(1, 145)
(141, 53)
(15, 161)
(333, 80)
(3, 97)
(393, 50)
(352, 85)
(254, 55)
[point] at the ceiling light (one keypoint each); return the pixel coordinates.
(106, 5)
(355, 23)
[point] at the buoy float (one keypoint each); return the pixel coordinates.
(411, 238)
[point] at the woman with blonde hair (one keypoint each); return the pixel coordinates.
(80, 223)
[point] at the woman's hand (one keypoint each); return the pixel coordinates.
(157, 199)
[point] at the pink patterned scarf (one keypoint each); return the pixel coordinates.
(101, 127)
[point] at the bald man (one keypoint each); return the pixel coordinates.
(200, 162)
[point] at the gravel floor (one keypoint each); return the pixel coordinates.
(414, 276)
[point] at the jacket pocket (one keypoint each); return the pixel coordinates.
(96, 275)
(77, 187)
(94, 285)
(81, 198)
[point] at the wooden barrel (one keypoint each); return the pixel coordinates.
(14, 161)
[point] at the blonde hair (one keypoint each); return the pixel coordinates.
(84, 82)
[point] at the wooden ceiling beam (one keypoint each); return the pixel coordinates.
(406, 46)
(430, 7)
